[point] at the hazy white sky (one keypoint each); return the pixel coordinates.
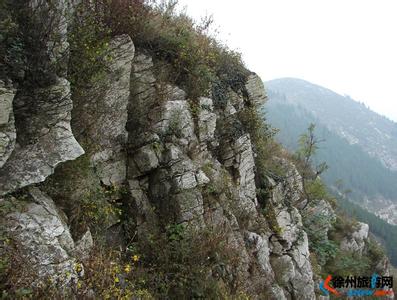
(349, 46)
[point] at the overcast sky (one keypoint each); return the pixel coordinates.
(349, 46)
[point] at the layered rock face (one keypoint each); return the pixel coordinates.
(184, 162)
(42, 110)
(36, 136)
(43, 237)
(199, 170)
(169, 158)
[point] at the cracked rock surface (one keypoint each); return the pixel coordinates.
(7, 123)
(40, 230)
(42, 112)
(152, 157)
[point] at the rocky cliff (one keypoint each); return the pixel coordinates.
(130, 157)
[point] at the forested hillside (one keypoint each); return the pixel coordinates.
(372, 184)
(386, 233)
(353, 174)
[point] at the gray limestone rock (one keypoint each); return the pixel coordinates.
(7, 126)
(110, 119)
(177, 189)
(83, 246)
(44, 238)
(356, 242)
(276, 292)
(290, 245)
(175, 119)
(262, 251)
(46, 138)
(183, 164)
(238, 154)
(201, 178)
(6, 97)
(207, 120)
(302, 282)
(290, 190)
(184, 174)
(290, 225)
(256, 90)
(42, 109)
(143, 160)
(189, 206)
(143, 100)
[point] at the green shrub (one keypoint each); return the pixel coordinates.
(196, 60)
(183, 264)
(265, 149)
(316, 190)
(76, 188)
(12, 47)
(348, 263)
(344, 226)
(319, 243)
(375, 253)
(89, 40)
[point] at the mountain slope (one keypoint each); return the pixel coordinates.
(375, 134)
(124, 176)
(359, 145)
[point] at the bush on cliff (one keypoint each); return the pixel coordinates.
(195, 59)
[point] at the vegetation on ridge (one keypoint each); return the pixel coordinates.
(193, 59)
(349, 165)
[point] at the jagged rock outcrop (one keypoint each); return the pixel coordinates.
(42, 110)
(154, 157)
(35, 137)
(356, 242)
(42, 236)
(290, 254)
(255, 89)
(44, 137)
(99, 124)
(105, 125)
(192, 168)
(176, 163)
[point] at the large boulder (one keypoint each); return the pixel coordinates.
(40, 233)
(356, 241)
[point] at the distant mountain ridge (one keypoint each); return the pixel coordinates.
(360, 145)
(359, 125)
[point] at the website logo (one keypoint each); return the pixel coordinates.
(358, 286)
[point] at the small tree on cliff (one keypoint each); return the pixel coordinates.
(313, 188)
